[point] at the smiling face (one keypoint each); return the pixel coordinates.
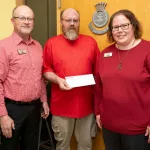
(70, 23)
(23, 27)
(124, 35)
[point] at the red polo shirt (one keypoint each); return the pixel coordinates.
(70, 58)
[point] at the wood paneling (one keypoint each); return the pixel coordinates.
(20, 2)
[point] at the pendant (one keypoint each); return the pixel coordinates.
(120, 66)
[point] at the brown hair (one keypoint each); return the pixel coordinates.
(134, 21)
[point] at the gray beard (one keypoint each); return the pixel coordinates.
(71, 34)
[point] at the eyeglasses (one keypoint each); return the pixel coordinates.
(69, 21)
(123, 27)
(23, 19)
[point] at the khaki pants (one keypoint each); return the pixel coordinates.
(83, 129)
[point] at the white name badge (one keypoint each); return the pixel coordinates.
(108, 54)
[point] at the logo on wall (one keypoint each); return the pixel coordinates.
(99, 19)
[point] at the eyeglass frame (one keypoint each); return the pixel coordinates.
(23, 19)
(121, 26)
(69, 21)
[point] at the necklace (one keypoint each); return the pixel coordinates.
(120, 65)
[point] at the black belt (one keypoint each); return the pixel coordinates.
(7, 100)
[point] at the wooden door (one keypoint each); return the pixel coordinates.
(87, 9)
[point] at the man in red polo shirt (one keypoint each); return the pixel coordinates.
(70, 54)
(21, 84)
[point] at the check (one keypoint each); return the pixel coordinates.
(80, 80)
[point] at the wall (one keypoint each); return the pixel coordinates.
(6, 7)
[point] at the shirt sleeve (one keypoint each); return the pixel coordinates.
(4, 65)
(97, 95)
(47, 58)
(147, 66)
(147, 63)
(43, 96)
(97, 87)
(96, 58)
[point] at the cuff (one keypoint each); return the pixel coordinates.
(3, 111)
(97, 113)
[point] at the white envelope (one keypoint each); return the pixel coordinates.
(80, 80)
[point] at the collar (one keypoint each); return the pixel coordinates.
(17, 39)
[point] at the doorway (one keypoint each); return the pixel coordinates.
(45, 19)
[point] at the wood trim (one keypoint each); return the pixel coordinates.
(58, 18)
(20, 2)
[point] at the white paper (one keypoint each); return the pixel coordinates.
(80, 80)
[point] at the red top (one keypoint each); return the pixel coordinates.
(20, 74)
(122, 97)
(70, 58)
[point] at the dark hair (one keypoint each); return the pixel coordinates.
(61, 14)
(134, 21)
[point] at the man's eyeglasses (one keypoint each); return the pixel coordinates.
(23, 19)
(123, 27)
(69, 21)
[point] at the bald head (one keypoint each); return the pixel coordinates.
(67, 11)
(70, 22)
(21, 10)
(23, 21)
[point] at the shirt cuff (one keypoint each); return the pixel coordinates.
(3, 111)
(97, 113)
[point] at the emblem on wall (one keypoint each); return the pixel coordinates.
(99, 19)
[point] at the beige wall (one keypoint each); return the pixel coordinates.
(6, 27)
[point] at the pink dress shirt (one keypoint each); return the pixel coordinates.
(20, 71)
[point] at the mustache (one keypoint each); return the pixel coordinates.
(72, 28)
(26, 26)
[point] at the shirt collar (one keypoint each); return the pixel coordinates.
(17, 39)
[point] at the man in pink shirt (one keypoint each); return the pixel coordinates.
(22, 88)
(71, 54)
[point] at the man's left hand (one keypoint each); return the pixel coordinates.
(45, 112)
(148, 133)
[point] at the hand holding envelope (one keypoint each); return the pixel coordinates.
(63, 84)
(80, 80)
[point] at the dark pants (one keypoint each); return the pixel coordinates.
(116, 141)
(26, 119)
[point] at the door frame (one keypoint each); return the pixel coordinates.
(20, 2)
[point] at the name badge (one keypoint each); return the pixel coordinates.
(108, 54)
(21, 51)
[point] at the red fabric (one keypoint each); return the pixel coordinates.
(70, 58)
(122, 98)
(20, 75)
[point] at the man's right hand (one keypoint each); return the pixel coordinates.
(63, 84)
(7, 124)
